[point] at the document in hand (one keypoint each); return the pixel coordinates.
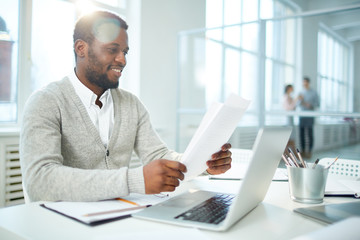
(215, 129)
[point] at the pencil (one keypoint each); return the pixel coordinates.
(127, 201)
(332, 163)
(315, 163)
(116, 211)
(300, 157)
(292, 162)
(286, 161)
(293, 157)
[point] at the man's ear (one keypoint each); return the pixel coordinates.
(80, 48)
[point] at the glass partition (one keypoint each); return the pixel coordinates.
(258, 59)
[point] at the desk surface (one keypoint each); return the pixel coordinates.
(272, 219)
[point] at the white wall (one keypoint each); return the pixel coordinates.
(161, 20)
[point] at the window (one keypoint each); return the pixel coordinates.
(280, 66)
(333, 71)
(9, 24)
(234, 48)
(231, 55)
(51, 41)
(50, 55)
(52, 36)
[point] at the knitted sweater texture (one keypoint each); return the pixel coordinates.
(63, 158)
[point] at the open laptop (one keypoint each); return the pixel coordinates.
(218, 211)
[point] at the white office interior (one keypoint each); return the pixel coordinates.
(186, 54)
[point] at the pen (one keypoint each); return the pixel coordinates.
(127, 201)
(300, 157)
(116, 211)
(315, 163)
(332, 163)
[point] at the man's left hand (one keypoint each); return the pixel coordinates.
(221, 161)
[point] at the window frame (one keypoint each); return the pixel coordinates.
(347, 83)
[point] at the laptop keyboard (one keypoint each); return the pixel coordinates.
(213, 210)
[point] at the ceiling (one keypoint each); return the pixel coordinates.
(345, 19)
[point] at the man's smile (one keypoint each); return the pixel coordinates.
(117, 70)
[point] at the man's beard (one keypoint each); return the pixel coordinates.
(94, 76)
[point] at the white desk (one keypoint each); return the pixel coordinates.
(272, 219)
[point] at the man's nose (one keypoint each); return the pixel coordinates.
(121, 58)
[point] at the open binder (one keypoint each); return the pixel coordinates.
(100, 212)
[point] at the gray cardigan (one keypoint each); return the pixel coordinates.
(61, 153)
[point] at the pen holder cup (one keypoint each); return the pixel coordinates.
(307, 185)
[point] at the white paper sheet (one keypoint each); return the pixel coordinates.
(354, 185)
(340, 185)
(215, 130)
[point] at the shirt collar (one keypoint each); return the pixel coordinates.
(87, 96)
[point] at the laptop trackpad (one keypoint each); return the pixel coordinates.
(180, 202)
(188, 199)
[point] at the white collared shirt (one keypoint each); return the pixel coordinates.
(102, 118)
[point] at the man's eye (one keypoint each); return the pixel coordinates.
(125, 53)
(112, 50)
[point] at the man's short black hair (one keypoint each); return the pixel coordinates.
(307, 79)
(84, 27)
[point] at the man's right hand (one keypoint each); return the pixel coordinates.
(163, 176)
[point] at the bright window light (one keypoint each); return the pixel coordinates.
(85, 7)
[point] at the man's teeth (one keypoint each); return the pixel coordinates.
(117, 70)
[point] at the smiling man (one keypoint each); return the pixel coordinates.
(79, 133)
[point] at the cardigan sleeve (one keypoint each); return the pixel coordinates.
(148, 145)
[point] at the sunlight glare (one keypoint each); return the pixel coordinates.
(85, 7)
